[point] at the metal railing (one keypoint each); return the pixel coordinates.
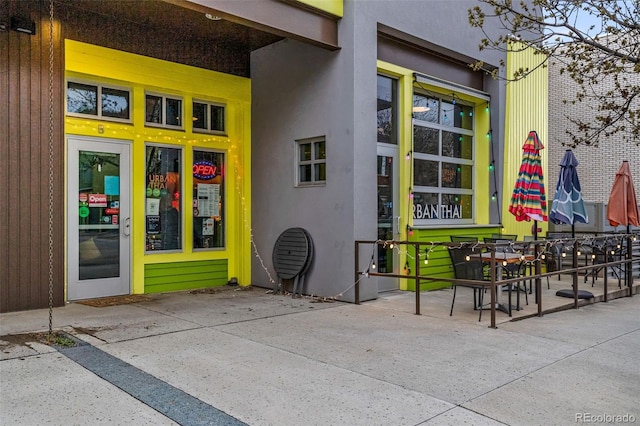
(541, 249)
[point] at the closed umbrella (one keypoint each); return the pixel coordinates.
(623, 209)
(528, 201)
(623, 204)
(568, 205)
(568, 208)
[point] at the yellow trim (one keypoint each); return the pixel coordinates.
(140, 73)
(526, 110)
(334, 7)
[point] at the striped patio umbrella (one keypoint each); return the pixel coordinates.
(568, 204)
(528, 201)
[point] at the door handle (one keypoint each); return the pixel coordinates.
(397, 224)
(126, 227)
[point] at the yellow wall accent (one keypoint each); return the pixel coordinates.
(526, 110)
(334, 7)
(140, 73)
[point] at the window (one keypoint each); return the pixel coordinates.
(312, 161)
(98, 101)
(163, 111)
(208, 117)
(208, 197)
(443, 160)
(163, 198)
(387, 109)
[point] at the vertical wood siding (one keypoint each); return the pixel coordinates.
(24, 162)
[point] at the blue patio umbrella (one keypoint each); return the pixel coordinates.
(568, 208)
(568, 205)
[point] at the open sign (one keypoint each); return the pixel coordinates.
(204, 170)
(97, 200)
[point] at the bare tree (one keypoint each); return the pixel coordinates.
(602, 58)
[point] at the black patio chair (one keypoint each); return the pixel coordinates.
(511, 270)
(467, 270)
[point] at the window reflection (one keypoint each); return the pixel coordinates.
(387, 110)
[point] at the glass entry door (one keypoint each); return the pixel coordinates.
(99, 222)
(388, 217)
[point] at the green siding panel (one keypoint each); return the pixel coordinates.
(439, 261)
(174, 276)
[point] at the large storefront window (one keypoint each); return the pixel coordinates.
(443, 160)
(163, 198)
(208, 197)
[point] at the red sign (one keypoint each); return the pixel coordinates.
(83, 197)
(111, 211)
(97, 200)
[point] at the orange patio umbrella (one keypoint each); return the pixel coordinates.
(623, 204)
(623, 210)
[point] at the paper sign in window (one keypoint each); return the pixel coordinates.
(208, 198)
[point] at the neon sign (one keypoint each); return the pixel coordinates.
(204, 170)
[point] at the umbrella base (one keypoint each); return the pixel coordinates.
(567, 292)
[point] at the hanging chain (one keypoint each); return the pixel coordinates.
(50, 167)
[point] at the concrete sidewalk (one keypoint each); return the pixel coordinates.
(248, 357)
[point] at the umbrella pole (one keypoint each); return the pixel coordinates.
(538, 269)
(629, 265)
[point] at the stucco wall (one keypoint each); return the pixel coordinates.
(300, 91)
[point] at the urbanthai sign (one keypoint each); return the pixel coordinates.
(436, 211)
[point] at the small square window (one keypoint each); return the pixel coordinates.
(312, 167)
(163, 111)
(208, 117)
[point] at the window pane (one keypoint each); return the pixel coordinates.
(320, 153)
(82, 98)
(115, 103)
(163, 195)
(387, 110)
(463, 116)
(304, 173)
(174, 112)
(456, 176)
(448, 114)
(456, 206)
(200, 116)
(457, 146)
(425, 140)
(321, 172)
(305, 152)
(425, 108)
(153, 109)
(217, 117)
(425, 173)
(425, 205)
(208, 199)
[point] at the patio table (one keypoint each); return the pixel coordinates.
(500, 258)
